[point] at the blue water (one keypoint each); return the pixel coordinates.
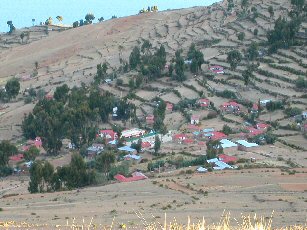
(21, 12)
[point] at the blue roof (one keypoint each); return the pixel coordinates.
(220, 165)
(227, 143)
(208, 130)
(246, 143)
(127, 149)
(196, 133)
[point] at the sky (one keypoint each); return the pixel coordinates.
(21, 12)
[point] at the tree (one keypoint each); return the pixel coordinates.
(6, 150)
(247, 74)
(137, 146)
(241, 36)
(12, 87)
(256, 31)
(271, 11)
(134, 58)
(179, 66)
(75, 24)
(244, 4)
(89, 18)
(104, 161)
(197, 58)
(230, 5)
(49, 21)
(101, 19)
(298, 4)
(59, 18)
(214, 148)
(61, 93)
(283, 34)
(157, 144)
(31, 154)
(253, 51)
(33, 21)
(234, 57)
(12, 27)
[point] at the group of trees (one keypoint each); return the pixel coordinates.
(44, 178)
(12, 88)
(6, 150)
(159, 114)
(73, 114)
(11, 26)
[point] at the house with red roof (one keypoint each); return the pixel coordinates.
(253, 131)
(108, 134)
(188, 141)
(169, 107)
(195, 119)
(37, 142)
(231, 107)
(216, 135)
(179, 137)
(146, 145)
(263, 126)
(49, 96)
(217, 69)
(17, 157)
(227, 159)
(150, 119)
(203, 102)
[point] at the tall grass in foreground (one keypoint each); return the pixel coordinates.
(246, 223)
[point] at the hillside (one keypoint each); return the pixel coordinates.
(271, 176)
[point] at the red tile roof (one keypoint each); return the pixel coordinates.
(169, 106)
(122, 178)
(180, 136)
(108, 133)
(262, 126)
(218, 135)
(204, 102)
(146, 144)
(188, 141)
(227, 159)
(17, 157)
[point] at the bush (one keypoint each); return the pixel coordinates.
(212, 114)
(227, 94)
(5, 171)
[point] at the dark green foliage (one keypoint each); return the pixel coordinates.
(157, 144)
(122, 169)
(137, 146)
(61, 93)
(227, 94)
(274, 105)
(12, 27)
(234, 58)
(89, 18)
(75, 24)
(197, 58)
(255, 31)
(301, 82)
(104, 161)
(53, 120)
(253, 51)
(179, 67)
(43, 177)
(227, 130)
(213, 149)
(101, 72)
(241, 36)
(247, 75)
(134, 58)
(244, 4)
(31, 154)
(271, 11)
(283, 34)
(6, 150)
(293, 111)
(12, 88)
(230, 5)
